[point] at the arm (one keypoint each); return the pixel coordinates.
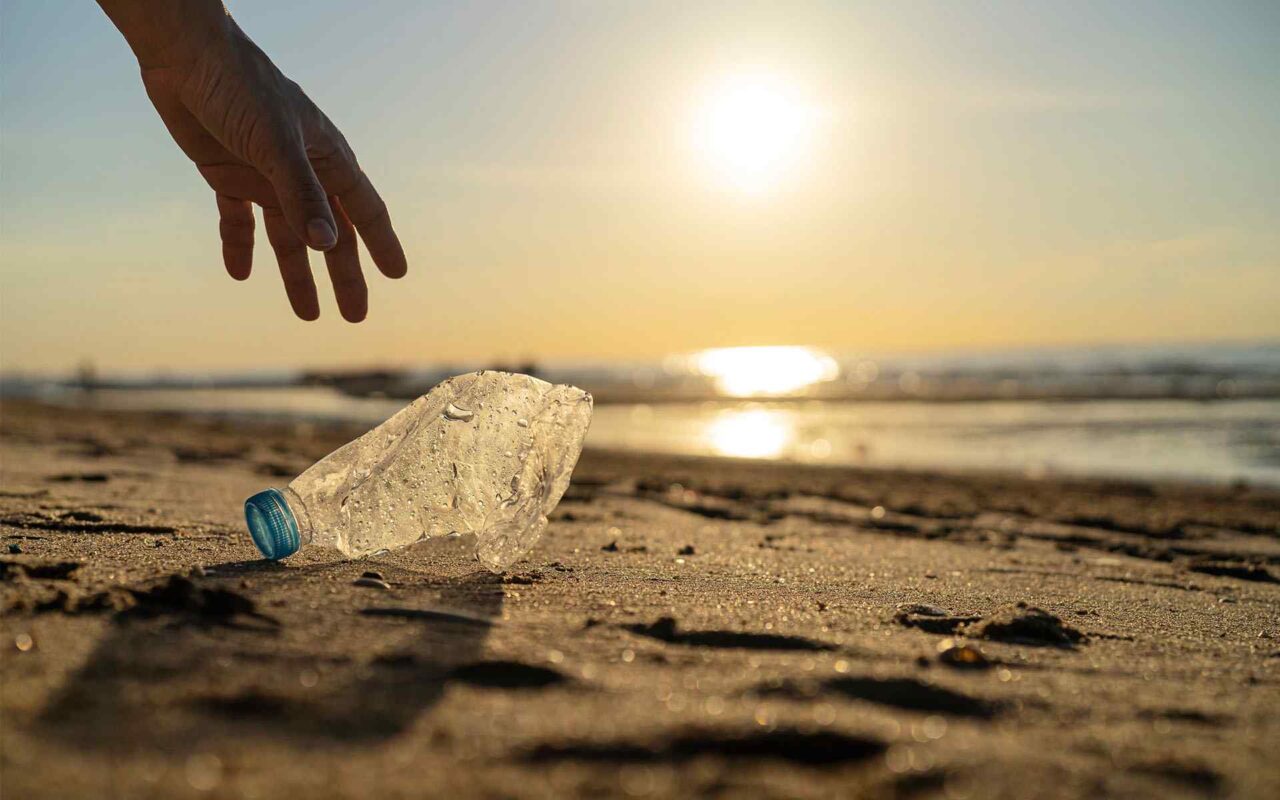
(257, 138)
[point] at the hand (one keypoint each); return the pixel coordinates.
(256, 137)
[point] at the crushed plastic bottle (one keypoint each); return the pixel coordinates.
(488, 453)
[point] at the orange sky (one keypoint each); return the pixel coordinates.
(991, 178)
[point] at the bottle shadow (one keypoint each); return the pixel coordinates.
(315, 661)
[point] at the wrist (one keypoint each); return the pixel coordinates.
(169, 33)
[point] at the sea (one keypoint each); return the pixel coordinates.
(1198, 413)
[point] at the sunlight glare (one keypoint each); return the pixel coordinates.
(749, 371)
(754, 433)
(754, 129)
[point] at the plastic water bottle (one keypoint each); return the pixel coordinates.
(488, 453)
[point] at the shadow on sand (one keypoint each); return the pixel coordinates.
(315, 662)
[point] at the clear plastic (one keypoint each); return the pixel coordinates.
(488, 453)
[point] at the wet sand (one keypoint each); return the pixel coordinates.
(685, 628)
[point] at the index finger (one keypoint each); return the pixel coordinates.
(370, 216)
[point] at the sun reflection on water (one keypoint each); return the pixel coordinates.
(763, 371)
(751, 433)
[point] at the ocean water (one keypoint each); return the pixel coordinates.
(1202, 413)
(1217, 441)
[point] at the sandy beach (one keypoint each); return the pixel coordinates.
(686, 627)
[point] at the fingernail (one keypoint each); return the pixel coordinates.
(321, 234)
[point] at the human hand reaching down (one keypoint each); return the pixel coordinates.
(257, 138)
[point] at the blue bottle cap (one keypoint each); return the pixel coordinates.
(271, 524)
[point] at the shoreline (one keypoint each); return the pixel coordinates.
(687, 625)
(1221, 443)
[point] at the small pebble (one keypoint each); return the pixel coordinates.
(15, 548)
(372, 583)
(962, 656)
(377, 576)
(687, 550)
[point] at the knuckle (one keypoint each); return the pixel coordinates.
(237, 237)
(327, 155)
(292, 176)
(283, 242)
(287, 249)
(347, 283)
(297, 289)
(372, 210)
(341, 175)
(300, 191)
(310, 192)
(236, 222)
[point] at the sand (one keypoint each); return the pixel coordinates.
(685, 628)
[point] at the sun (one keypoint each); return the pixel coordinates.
(754, 129)
(753, 371)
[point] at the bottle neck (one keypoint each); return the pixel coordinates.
(300, 513)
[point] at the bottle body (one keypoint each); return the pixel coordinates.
(488, 453)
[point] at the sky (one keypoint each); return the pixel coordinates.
(969, 175)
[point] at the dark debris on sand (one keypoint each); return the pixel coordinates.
(84, 477)
(666, 629)
(78, 522)
(1244, 572)
(68, 600)
(34, 585)
(908, 694)
(806, 748)
(16, 568)
(931, 619)
(498, 674)
(1020, 623)
(1017, 623)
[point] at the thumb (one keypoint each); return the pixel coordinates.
(302, 198)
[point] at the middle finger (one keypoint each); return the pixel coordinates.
(295, 269)
(343, 261)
